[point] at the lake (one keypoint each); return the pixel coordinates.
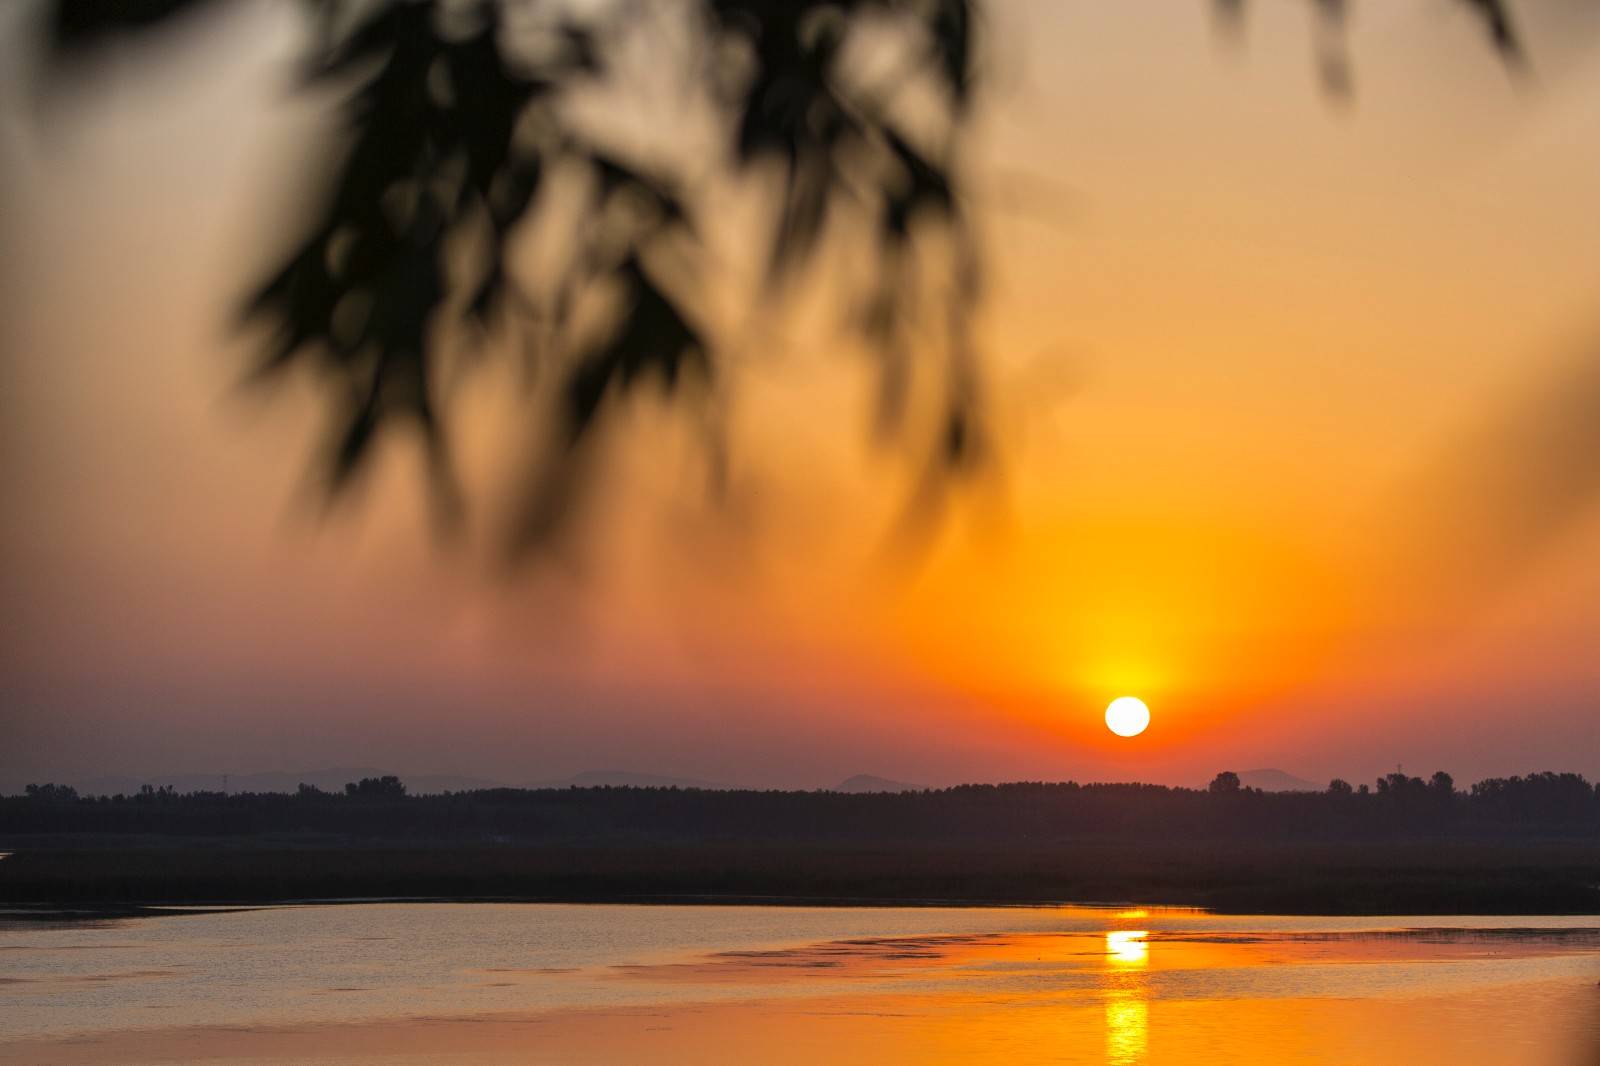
(492, 983)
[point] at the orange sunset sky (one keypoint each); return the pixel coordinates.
(1247, 347)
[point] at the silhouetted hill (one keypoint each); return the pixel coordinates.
(871, 783)
(1276, 781)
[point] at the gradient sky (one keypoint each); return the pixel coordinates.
(1242, 340)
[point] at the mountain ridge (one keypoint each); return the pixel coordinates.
(1270, 779)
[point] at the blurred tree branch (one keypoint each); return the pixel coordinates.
(457, 119)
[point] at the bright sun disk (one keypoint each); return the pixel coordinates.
(1127, 716)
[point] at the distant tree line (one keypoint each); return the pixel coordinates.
(1539, 805)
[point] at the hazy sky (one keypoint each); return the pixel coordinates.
(1245, 344)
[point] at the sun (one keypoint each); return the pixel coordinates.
(1127, 716)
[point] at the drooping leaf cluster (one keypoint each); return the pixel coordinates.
(1333, 61)
(456, 120)
(458, 116)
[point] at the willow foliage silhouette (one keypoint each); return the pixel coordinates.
(456, 122)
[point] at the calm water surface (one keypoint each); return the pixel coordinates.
(412, 982)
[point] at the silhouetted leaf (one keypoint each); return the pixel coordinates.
(441, 95)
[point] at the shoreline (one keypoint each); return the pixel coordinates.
(51, 911)
(1379, 879)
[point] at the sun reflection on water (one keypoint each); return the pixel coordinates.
(1128, 947)
(1127, 1008)
(1127, 1028)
